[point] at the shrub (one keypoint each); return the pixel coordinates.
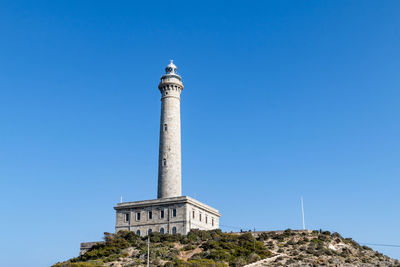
(246, 237)
(113, 257)
(366, 248)
(289, 261)
(315, 240)
(185, 240)
(335, 234)
(239, 262)
(205, 262)
(310, 250)
(155, 237)
(78, 264)
(318, 253)
(220, 255)
(287, 232)
(129, 236)
(263, 236)
(291, 242)
(189, 247)
(253, 257)
(195, 263)
(171, 238)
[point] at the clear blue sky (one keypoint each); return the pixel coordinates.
(281, 99)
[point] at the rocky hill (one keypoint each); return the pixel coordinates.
(215, 248)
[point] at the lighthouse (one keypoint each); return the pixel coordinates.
(169, 157)
(170, 212)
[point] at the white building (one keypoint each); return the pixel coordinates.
(171, 212)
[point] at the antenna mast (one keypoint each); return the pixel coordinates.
(302, 213)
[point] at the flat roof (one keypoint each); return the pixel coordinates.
(166, 201)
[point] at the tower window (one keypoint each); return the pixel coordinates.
(161, 230)
(200, 216)
(193, 214)
(165, 127)
(174, 230)
(138, 232)
(174, 213)
(149, 231)
(127, 217)
(162, 214)
(212, 221)
(164, 162)
(138, 216)
(150, 215)
(206, 219)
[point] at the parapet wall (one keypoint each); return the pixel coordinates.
(86, 246)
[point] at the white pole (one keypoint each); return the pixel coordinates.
(148, 249)
(302, 213)
(120, 201)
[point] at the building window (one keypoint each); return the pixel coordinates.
(174, 213)
(212, 221)
(138, 232)
(127, 217)
(149, 231)
(174, 230)
(200, 216)
(165, 127)
(150, 215)
(206, 219)
(162, 214)
(162, 230)
(164, 162)
(138, 216)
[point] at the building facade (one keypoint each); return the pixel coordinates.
(168, 215)
(171, 212)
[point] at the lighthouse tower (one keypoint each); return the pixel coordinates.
(170, 212)
(169, 158)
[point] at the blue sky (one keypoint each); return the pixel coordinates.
(282, 99)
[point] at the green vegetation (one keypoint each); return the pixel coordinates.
(198, 248)
(79, 264)
(217, 249)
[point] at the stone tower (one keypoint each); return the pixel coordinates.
(170, 213)
(169, 158)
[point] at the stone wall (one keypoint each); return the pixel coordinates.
(86, 246)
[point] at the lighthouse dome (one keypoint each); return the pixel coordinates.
(171, 68)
